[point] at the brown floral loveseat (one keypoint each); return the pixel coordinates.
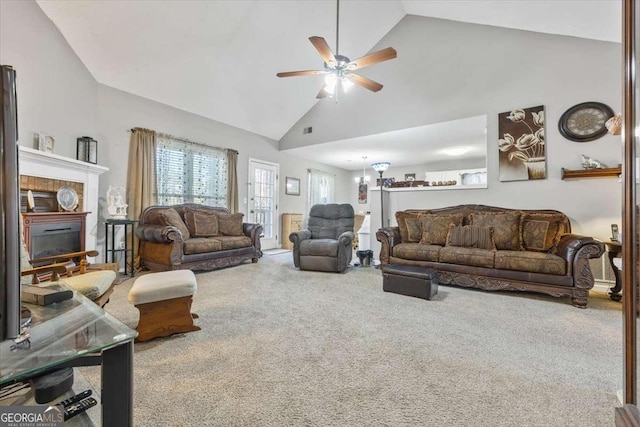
(494, 248)
(195, 237)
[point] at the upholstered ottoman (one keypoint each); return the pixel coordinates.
(410, 280)
(164, 301)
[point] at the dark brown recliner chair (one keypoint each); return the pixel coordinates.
(326, 244)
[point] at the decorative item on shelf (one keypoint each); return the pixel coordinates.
(614, 124)
(380, 167)
(585, 122)
(292, 186)
(31, 203)
(409, 176)
(67, 199)
(414, 183)
(615, 232)
(87, 149)
(522, 153)
(444, 183)
(386, 182)
(45, 142)
(589, 163)
(116, 206)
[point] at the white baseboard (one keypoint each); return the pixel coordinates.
(602, 286)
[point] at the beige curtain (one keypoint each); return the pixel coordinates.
(141, 177)
(232, 180)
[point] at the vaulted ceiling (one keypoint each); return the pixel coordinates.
(219, 59)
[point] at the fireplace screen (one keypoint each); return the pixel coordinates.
(55, 239)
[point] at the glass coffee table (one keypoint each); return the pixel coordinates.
(72, 333)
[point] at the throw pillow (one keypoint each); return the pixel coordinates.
(200, 222)
(230, 224)
(541, 232)
(435, 227)
(471, 236)
(171, 217)
(409, 226)
(506, 228)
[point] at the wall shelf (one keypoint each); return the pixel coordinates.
(592, 173)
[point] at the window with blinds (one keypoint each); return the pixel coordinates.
(190, 173)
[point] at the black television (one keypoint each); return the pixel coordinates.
(9, 208)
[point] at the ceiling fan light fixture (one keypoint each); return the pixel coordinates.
(338, 67)
(331, 82)
(346, 83)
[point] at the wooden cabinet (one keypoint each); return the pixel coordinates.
(290, 222)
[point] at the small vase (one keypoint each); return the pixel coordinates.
(536, 167)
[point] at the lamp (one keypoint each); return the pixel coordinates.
(380, 167)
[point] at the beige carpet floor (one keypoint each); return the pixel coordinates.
(281, 347)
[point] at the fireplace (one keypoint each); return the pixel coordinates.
(54, 233)
(61, 171)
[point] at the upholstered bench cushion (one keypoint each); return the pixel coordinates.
(92, 284)
(162, 286)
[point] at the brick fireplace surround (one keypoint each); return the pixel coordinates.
(48, 172)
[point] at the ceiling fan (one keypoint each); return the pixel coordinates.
(339, 68)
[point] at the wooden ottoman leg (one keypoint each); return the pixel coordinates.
(164, 318)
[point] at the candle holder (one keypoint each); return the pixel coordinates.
(87, 149)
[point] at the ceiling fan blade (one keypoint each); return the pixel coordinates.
(322, 94)
(373, 58)
(323, 49)
(301, 73)
(365, 82)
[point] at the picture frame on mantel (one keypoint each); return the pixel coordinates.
(87, 150)
(45, 142)
(292, 186)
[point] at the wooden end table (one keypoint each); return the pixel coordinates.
(614, 249)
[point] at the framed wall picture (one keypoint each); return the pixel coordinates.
(292, 186)
(521, 144)
(46, 143)
(363, 189)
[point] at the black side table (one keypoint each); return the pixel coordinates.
(614, 249)
(127, 250)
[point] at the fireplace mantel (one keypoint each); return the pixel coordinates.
(47, 165)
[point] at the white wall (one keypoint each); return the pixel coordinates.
(56, 93)
(447, 70)
(119, 111)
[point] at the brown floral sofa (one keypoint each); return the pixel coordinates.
(494, 248)
(195, 237)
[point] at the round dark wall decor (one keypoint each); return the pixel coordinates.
(585, 122)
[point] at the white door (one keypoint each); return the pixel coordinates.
(263, 200)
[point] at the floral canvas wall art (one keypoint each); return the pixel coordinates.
(521, 144)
